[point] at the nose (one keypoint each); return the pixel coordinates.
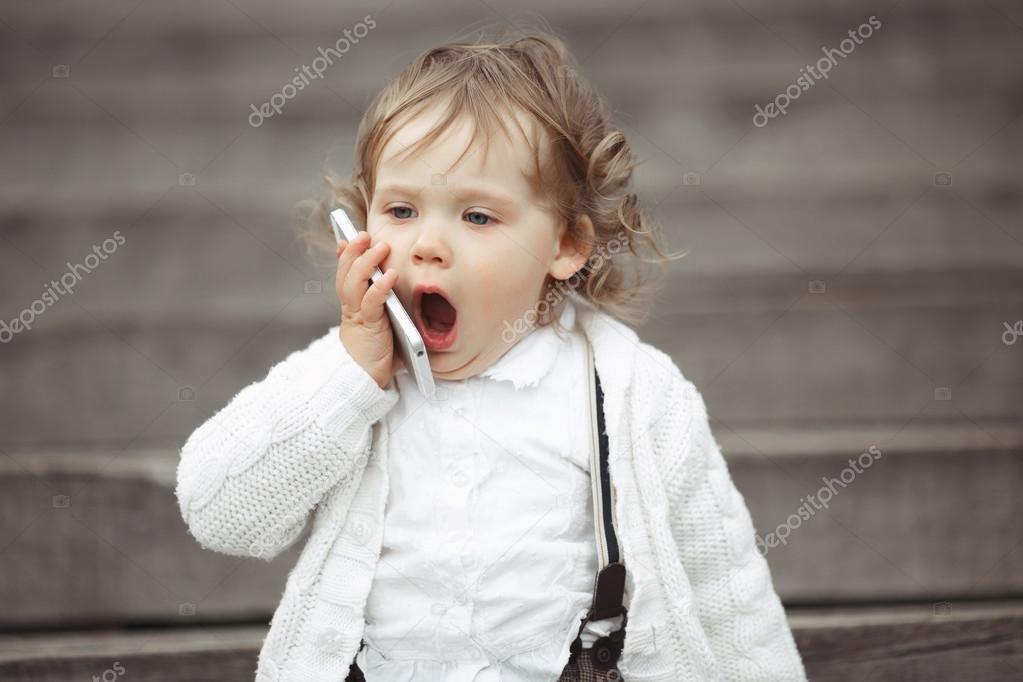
(430, 246)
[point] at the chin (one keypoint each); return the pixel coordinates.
(449, 367)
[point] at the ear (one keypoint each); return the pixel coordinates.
(570, 253)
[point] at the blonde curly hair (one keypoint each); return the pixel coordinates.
(583, 165)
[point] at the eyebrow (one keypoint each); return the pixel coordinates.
(463, 192)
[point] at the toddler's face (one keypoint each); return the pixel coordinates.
(477, 235)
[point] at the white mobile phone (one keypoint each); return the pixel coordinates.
(408, 341)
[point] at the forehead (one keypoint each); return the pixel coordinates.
(504, 159)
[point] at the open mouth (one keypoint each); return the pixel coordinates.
(436, 318)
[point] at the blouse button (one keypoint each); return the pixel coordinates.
(329, 640)
(459, 478)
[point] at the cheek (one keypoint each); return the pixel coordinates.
(515, 278)
(396, 252)
(483, 270)
(372, 225)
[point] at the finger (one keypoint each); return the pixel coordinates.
(357, 281)
(344, 264)
(350, 252)
(376, 296)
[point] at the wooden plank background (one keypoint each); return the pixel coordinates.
(853, 267)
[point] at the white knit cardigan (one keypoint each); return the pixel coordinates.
(312, 437)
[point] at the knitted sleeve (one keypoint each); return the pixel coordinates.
(733, 592)
(249, 476)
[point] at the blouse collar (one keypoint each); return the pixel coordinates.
(533, 356)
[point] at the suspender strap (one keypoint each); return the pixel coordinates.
(609, 585)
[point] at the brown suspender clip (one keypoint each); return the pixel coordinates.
(609, 592)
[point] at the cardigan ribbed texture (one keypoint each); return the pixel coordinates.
(308, 443)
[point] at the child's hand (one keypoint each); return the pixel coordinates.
(365, 327)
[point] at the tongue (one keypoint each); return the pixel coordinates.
(438, 312)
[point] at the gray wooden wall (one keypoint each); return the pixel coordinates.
(854, 275)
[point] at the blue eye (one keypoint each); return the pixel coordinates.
(482, 215)
(399, 208)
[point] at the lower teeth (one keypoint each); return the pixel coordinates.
(437, 329)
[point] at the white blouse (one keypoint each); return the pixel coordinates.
(488, 556)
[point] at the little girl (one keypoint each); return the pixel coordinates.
(452, 536)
